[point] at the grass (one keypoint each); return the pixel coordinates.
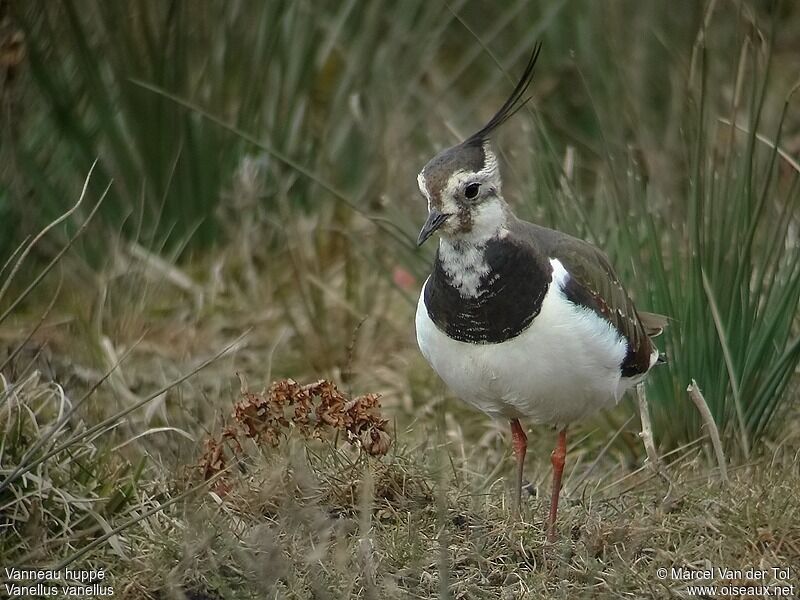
(463, 540)
(270, 235)
(59, 504)
(309, 519)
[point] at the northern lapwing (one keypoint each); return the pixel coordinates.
(521, 321)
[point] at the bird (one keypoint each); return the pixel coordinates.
(522, 322)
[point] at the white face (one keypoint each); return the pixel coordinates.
(471, 198)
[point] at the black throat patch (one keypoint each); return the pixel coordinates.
(508, 299)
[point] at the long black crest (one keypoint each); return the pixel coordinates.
(511, 105)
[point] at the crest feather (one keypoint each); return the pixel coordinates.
(512, 104)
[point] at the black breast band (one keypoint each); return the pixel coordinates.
(509, 295)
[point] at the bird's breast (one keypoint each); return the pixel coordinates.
(486, 294)
(564, 365)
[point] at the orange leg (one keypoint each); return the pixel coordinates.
(519, 442)
(558, 457)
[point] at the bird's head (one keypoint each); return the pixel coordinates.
(462, 184)
(462, 187)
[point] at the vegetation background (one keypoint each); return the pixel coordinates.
(191, 191)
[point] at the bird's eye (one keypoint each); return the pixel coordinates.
(471, 191)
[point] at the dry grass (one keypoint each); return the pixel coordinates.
(315, 522)
(299, 492)
(313, 410)
(307, 516)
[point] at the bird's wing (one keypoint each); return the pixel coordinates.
(653, 323)
(594, 284)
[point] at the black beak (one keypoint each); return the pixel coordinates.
(434, 221)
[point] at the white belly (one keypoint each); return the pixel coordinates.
(563, 367)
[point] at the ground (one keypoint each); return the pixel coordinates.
(317, 518)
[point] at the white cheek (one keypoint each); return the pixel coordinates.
(449, 205)
(488, 219)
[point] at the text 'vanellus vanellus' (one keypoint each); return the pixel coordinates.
(520, 321)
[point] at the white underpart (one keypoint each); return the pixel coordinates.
(564, 366)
